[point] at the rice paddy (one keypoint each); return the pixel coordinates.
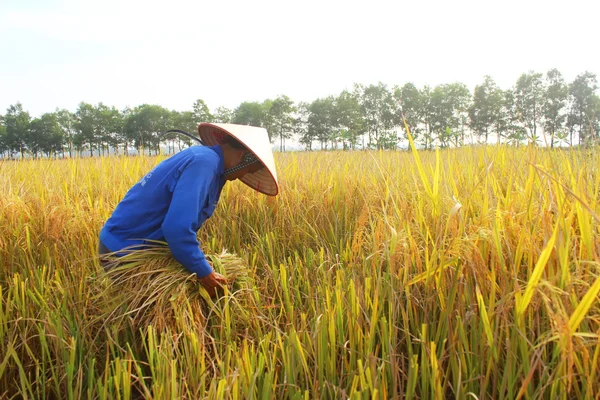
(462, 273)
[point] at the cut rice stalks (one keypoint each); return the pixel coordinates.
(150, 288)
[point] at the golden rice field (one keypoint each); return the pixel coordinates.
(469, 273)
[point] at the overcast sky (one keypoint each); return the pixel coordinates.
(57, 53)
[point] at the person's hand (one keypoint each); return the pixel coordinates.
(213, 282)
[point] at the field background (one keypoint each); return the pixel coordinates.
(466, 273)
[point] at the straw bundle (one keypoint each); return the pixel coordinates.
(150, 288)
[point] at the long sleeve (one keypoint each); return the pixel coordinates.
(180, 224)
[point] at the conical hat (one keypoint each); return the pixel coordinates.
(257, 141)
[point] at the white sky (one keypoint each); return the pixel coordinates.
(57, 53)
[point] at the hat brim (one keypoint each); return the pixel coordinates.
(257, 141)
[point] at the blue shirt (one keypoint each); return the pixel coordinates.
(170, 204)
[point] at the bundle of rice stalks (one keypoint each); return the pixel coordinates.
(150, 288)
(233, 268)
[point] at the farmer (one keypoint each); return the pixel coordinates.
(173, 200)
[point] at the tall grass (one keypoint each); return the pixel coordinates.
(467, 273)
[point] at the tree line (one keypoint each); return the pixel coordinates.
(539, 108)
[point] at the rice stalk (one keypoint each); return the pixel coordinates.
(150, 288)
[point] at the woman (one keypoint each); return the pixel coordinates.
(173, 200)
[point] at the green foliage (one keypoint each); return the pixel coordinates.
(448, 105)
(485, 111)
(145, 125)
(280, 119)
(87, 125)
(350, 119)
(300, 125)
(67, 121)
(509, 125)
(555, 101)
(3, 137)
(223, 115)
(585, 112)
(379, 112)
(529, 98)
(16, 123)
(200, 112)
(321, 120)
(411, 107)
(539, 109)
(45, 135)
(184, 121)
(96, 127)
(251, 113)
(111, 126)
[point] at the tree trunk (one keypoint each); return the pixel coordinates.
(571, 136)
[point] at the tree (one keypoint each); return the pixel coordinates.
(300, 125)
(223, 115)
(595, 118)
(428, 112)
(508, 125)
(67, 120)
(45, 135)
(378, 110)
(583, 113)
(36, 136)
(350, 120)
(409, 103)
(109, 128)
(252, 113)
(529, 97)
(485, 110)
(3, 141)
(17, 123)
(145, 125)
(459, 99)
(281, 119)
(185, 122)
(201, 112)
(555, 98)
(448, 104)
(441, 114)
(321, 120)
(86, 125)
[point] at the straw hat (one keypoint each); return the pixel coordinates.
(257, 141)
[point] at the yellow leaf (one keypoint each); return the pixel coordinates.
(537, 272)
(584, 306)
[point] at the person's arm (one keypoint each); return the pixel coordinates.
(178, 226)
